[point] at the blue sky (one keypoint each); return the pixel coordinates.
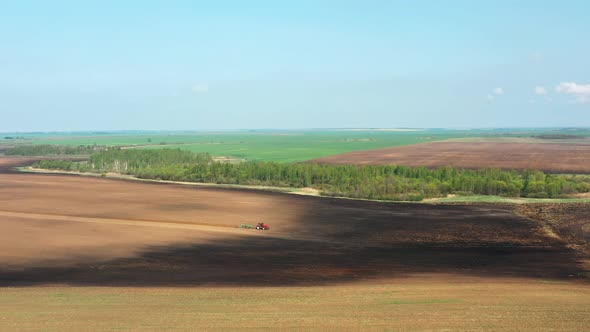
(111, 65)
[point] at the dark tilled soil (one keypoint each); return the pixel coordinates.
(571, 222)
(74, 230)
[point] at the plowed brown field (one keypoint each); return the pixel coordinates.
(80, 230)
(553, 158)
(400, 266)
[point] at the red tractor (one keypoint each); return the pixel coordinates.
(262, 226)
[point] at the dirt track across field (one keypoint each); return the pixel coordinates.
(553, 158)
(75, 230)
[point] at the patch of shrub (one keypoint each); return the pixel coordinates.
(538, 195)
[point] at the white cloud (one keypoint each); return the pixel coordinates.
(490, 97)
(540, 90)
(200, 88)
(499, 91)
(580, 91)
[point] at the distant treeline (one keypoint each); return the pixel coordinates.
(371, 182)
(559, 136)
(52, 150)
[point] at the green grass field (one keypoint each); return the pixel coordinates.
(277, 145)
(292, 147)
(269, 146)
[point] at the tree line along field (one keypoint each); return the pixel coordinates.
(279, 146)
(52, 150)
(369, 182)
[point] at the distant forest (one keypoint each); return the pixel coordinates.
(52, 150)
(396, 183)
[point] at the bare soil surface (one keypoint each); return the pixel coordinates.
(552, 158)
(435, 303)
(570, 222)
(74, 230)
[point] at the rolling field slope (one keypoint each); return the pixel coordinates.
(116, 251)
(313, 240)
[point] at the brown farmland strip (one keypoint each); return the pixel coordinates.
(90, 231)
(554, 158)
